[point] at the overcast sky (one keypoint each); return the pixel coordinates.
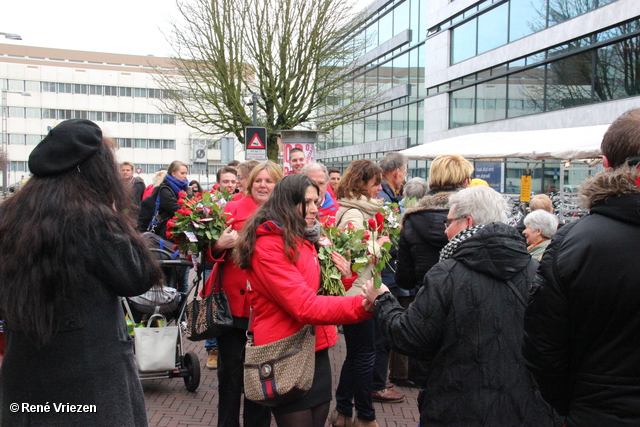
(114, 26)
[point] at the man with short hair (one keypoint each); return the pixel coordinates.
(317, 172)
(334, 181)
(227, 178)
(136, 185)
(297, 160)
(582, 323)
(394, 171)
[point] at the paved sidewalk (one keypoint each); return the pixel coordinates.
(170, 404)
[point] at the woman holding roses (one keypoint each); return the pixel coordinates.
(358, 199)
(262, 180)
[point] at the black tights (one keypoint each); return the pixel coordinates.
(314, 417)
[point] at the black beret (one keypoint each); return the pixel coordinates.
(67, 145)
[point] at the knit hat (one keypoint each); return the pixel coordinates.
(67, 145)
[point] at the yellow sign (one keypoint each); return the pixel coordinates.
(525, 188)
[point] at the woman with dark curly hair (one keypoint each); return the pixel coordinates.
(69, 250)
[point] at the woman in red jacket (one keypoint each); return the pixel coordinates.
(262, 180)
(277, 251)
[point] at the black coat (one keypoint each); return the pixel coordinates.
(582, 325)
(421, 239)
(467, 323)
(90, 359)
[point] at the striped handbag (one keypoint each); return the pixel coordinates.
(282, 371)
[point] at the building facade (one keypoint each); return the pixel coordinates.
(45, 86)
(494, 66)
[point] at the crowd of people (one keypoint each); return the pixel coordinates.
(532, 325)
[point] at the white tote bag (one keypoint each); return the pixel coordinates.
(156, 347)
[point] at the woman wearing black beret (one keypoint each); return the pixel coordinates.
(68, 250)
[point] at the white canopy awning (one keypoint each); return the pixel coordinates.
(565, 144)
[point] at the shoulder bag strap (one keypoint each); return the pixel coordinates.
(338, 220)
(517, 292)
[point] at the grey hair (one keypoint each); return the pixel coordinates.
(314, 166)
(392, 161)
(484, 204)
(542, 220)
(415, 188)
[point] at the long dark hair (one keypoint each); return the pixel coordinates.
(48, 230)
(281, 208)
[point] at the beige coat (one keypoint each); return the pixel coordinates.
(357, 212)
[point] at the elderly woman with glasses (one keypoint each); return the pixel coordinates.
(467, 321)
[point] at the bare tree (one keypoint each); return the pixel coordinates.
(295, 55)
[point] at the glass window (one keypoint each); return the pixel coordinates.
(125, 91)
(168, 119)
(139, 143)
(168, 144)
(463, 41)
(492, 28)
(139, 118)
(385, 28)
(526, 92)
(32, 86)
(16, 112)
(155, 93)
(154, 118)
(491, 100)
(462, 103)
(65, 88)
(399, 124)
(16, 85)
(614, 73)
(15, 139)
(95, 116)
(414, 18)
(401, 69)
(48, 113)
(155, 143)
(110, 91)
(358, 131)
(384, 125)
(125, 117)
(124, 142)
(48, 87)
(32, 113)
(95, 90)
(370, 128)
(526, 18)
(33, 139)
(139, 92)
(385, 77)
(80, 114)
(110, 116)
(65, 114)
(401, 18)
(569, 82)
(82, 89)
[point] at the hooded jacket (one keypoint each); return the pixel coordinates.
(466, 322)
(283, 293)
(422, 238)
(582, 325)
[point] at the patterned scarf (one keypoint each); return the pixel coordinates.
(452, 246)
(312, 234)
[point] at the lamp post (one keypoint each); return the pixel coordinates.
(5, 142)
(11, 36)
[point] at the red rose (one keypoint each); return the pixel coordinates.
(373, 226)
(331, 222)
(182, 194)
(170, 224)
(350, 226)
(380, 221)
(168, 233)
(367, 236)
(181, 201)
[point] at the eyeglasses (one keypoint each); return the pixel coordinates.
(447, 222)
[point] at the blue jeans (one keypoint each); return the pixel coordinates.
(356, 378)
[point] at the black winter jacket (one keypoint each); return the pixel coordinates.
(582, 325)
(422, 238)
(467, 323)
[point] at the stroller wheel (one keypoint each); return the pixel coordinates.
(192, 365)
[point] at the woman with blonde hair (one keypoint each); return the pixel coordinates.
(231, 344)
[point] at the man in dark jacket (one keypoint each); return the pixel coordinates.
(467, 320)
(135, 185)
(582, 325)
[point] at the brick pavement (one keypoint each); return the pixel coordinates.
(170, 404)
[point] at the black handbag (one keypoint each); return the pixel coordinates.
(210, 316)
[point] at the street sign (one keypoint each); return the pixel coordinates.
(255, 143)
(138, 171)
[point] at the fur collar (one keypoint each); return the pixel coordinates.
(438, 200)
(609, 183)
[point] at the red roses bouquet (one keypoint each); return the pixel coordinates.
(351, 244)
(385, 222)
(199, 222)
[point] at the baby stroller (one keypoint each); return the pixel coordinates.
(161, 308)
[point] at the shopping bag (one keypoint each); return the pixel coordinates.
(156, 347)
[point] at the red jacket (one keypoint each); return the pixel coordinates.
(234, 280)
(283, 294)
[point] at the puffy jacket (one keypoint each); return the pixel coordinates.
(283, 293)
(467, 323)
(582, 325)
(422, 238)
